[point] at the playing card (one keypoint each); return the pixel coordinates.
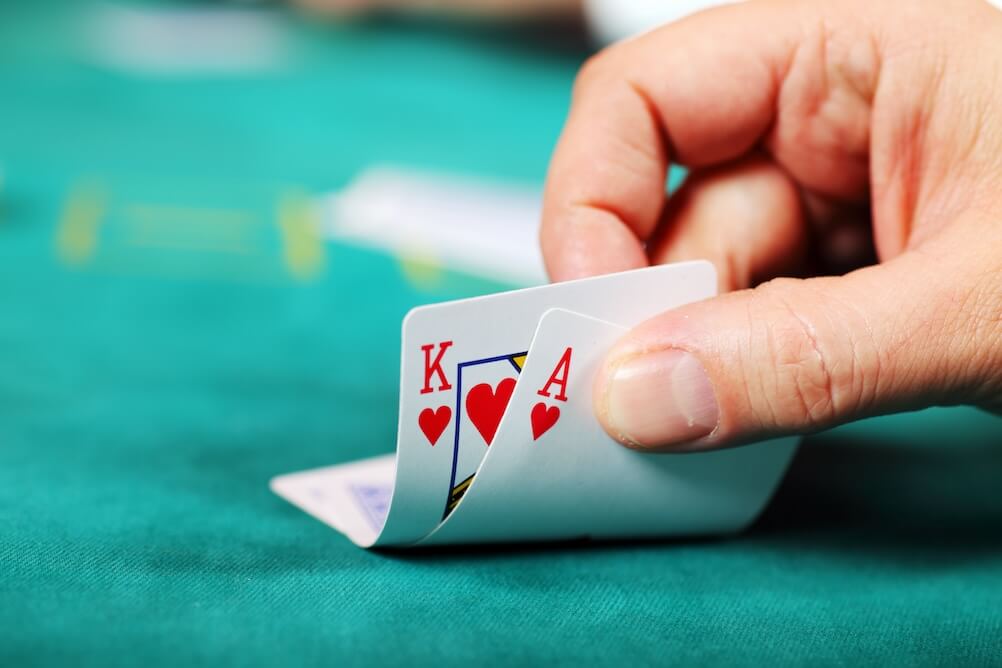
(353, 498)
(553, 473)
(460, 364)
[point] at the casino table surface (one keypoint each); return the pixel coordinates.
(173, 334)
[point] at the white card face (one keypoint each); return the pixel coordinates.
(553, 473)
(458, 365)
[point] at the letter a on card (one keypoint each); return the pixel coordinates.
(543, 416)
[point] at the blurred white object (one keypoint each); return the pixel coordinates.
(187, 40)
(613, 20)
(473, 226)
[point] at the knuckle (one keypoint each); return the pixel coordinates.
(813, 371)
(591, 72)
(601, 69)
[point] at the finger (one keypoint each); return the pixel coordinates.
(745, 217)
(599, 225)
(701, 91)
(799, 355)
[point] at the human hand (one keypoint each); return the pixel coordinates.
(820, 136)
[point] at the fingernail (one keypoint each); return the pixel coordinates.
(660, 399)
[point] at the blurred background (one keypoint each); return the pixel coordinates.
(213, 217)
(191, 107)
(206, 194)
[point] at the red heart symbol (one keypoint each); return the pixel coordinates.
(485, 405)
(543, 418)
(434, 421)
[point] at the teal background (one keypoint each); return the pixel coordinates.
(152, 383)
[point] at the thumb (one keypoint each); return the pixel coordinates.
(794, 356)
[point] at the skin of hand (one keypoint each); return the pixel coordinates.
(820, 137)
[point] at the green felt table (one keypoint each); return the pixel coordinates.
(171, 336)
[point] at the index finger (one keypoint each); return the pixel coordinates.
(701, 91)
